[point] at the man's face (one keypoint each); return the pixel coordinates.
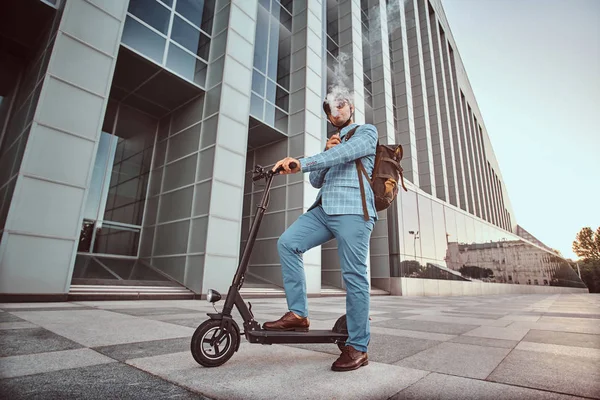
(341, 112)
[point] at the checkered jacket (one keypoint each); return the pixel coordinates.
(334, 172)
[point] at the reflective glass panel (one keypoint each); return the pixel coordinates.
(198, 12)
(190, 38)
(152, 13)
(273, 42)
(282, 99)
(258, 83)
(113, 239)
(256, 106)
(410, 218)
(261, 40)
(186, 65)
(143, 40)
(439, 229)
(426, 237)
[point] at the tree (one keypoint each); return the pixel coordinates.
(587, 244)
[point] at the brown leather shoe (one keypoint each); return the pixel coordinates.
(289, 322)
(350, 359)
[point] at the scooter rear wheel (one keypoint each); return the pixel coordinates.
(341, 327)
(207, 350)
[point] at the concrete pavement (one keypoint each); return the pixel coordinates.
(490, 347)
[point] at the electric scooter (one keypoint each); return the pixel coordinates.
(216, 340)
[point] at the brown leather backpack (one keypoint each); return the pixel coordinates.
(387, 171)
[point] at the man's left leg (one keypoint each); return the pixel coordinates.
(353, 233)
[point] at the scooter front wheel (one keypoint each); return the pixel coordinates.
(211, 345)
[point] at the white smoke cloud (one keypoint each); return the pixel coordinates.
(339, 89)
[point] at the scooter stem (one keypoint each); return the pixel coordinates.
(262, 207)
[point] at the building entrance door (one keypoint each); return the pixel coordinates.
(108, 250)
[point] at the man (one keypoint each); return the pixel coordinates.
(337, 213)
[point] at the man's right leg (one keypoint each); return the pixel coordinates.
(309, 230)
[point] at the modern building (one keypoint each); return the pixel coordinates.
(130, 129)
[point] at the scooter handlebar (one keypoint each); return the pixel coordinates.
(260, 173)
(293, 165)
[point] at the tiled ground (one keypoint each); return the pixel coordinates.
(492, 347)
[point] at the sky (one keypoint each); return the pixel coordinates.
(534, 66)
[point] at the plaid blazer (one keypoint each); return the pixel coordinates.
(334, 172)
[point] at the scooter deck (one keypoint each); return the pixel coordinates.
(312, 336)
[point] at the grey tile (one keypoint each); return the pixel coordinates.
(397, 315)
(111, 381)
(471, 315)
(188, 322)
(426, 326)
(8, 317)
(16, 325)
(557, 349)
(280, 372)
(563, 338)
(322, 315)
(446, 387)
(15, 342)
(457, 359)
(485, 342)
(94, 328)
(128, 351)
(147, 311)
(494, 332)
(50, 308)
(32, 364)
(382, 348)
(572, 375)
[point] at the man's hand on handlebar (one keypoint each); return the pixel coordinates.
(288, 165)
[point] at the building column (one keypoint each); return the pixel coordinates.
(447, 130)
(42, 229)
(420, 101)
(383, 119)
(452, 92)
(229, 169)
(435, 123)
(403, 93)
(306, 134)
(476, 173)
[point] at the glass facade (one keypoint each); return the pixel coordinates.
(270, 99)
(440, 241)
(175, 34)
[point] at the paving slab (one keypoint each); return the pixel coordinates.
(426, 326)
(15, 342)
(52, 361)
(99, 382)
(563, 338)
(440, 337)
(128, 351)
(150, 311)
(279, 372)
(102, 328)
(492, 332)
(386, 349)
(457, 359)
(579, 376)
(560, 350)
(447, 387)
(486, 342)
(8, 317)
(16, 325)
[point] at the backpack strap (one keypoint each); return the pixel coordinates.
(360, 168)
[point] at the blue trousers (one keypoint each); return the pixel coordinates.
(352, 233)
